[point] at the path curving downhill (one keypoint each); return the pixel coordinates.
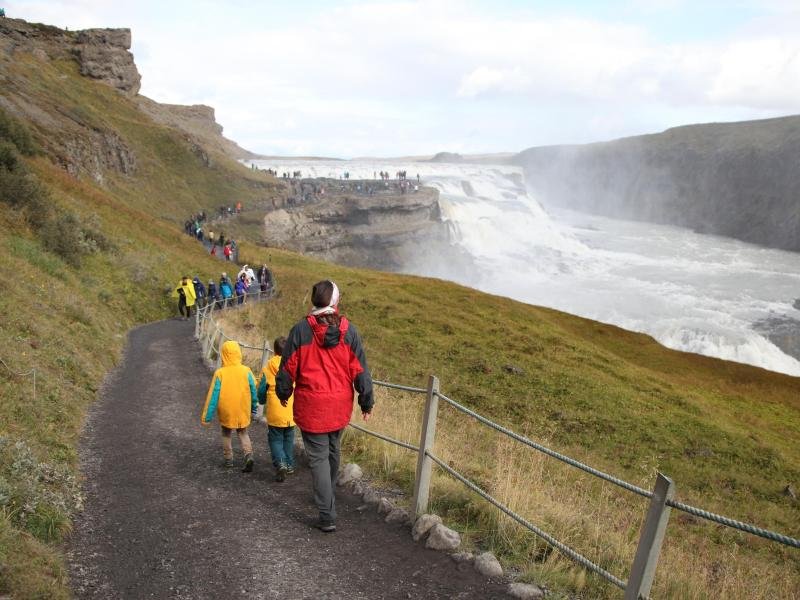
(162, 519)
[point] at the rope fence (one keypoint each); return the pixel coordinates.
(25, 374)
(654, 527)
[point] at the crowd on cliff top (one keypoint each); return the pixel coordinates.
(311, 190)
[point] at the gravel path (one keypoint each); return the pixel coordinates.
(164, 520)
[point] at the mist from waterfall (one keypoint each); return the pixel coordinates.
(690, 291)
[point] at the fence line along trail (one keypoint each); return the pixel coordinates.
(162, 519)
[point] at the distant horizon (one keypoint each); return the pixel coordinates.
(407, 77)
(508, 153)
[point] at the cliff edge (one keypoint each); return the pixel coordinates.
(102, 55)
(734, 179)
(345, 224)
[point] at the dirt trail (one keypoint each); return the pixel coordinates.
(164, 520)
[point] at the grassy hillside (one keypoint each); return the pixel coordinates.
(85, 258)
(725, 432)
(94, 245)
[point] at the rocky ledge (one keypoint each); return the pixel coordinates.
(351, 224)
(101, 54)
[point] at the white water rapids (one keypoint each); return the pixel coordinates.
(692, 292)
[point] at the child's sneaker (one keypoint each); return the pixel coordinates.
(281, 476)
(289, 470)
(248, 464)
(228, 463)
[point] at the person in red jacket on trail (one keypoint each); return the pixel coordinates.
(324, 360)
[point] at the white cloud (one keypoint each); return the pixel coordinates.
(485, 79)
(408, 77)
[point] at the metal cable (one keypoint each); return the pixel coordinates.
(397, 386)
(564, 549)
(14, 373)
(385, 438)
(570, 461)
(747, 527)
(698, 512)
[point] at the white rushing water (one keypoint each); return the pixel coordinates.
(691, 292)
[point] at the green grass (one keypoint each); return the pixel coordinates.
(69, 321)
(726, 433)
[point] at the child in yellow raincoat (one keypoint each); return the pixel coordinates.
(280, 420)
(232, 395)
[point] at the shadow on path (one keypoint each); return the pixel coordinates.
(164, 520)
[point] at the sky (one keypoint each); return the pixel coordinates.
(404, 78)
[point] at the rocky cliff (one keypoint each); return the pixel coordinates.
(735, 179)
(199, 123)
(381, 231)
(102, 55)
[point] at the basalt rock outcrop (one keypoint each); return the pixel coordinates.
(381, 231)
(199, 124)
(74, 140)
(101, 54)
(740, 180)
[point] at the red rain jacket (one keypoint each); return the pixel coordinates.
(325, 363)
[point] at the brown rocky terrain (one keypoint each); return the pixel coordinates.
(348, 225)
(103, 55)
(198, 121)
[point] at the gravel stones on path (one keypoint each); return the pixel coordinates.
(443, 538)
(164, 520)
(488, 565)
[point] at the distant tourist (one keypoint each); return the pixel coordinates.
(324, 358)
(225, 290)
(241, 289)
(199, 292)
(213, 294)
(264, 279)
(186, 297)
(232, 396)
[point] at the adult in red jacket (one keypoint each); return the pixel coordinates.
(324, 360)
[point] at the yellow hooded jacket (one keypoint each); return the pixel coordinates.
(188, 291)
(277, 414)
(232, 392)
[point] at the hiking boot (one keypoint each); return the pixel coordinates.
(228, 463)
(248, 464)
(325, 526)
(281, 475)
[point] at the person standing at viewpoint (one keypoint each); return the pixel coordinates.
(323, 361)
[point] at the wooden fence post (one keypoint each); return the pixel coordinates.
(219, 348)
(422, 482)
(265, 354)
(655, 525)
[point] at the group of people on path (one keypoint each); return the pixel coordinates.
(309, 383)
(191, 292)
(194, 226)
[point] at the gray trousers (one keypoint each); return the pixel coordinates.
(322, 450)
